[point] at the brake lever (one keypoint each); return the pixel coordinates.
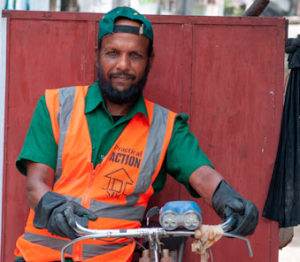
(248, 244)
(153, 211)
(228, 225)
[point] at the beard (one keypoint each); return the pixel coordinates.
(129, 95)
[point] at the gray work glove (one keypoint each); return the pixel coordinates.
(227, 202)
(58, 214)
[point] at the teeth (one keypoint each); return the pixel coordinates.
(122, 77)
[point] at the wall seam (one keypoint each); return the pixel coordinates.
(3, 24)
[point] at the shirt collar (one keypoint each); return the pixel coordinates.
(94, 99)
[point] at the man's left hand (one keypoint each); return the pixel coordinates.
(227, 202)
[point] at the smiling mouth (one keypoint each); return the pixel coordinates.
(125, 77)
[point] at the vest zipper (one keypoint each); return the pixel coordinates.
(86, 200)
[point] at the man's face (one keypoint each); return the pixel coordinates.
(123, 65)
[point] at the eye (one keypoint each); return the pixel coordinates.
(136, 56)
(111, 53)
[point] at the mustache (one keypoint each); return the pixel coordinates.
(122, 75)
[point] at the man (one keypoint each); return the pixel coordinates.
(95, 154)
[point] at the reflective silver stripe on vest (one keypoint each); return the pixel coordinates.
(152, 153)
(49, 242)
(66, 102)
(96, 250)
(102, 209)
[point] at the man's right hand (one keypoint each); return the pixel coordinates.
(58, 214)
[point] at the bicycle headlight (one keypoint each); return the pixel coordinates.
(175, 214)
(191, 220)
(168, 220)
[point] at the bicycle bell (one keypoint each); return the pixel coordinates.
(176, 214)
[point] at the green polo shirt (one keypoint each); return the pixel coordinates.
(183, 156)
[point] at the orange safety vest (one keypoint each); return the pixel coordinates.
(117, 189)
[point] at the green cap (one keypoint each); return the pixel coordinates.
(107, 23)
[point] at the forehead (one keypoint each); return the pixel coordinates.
(126, 41)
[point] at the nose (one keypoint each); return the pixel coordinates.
(123, 63)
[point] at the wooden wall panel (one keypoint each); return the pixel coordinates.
(235, 103)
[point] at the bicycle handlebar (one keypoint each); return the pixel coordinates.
(146, 232)
(142, 232)
(136, 232)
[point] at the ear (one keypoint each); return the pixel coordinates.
(98, 51)
(151, 59)
(97, 58)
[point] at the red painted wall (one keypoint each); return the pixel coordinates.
(227, 73)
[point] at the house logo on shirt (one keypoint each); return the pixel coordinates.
(117, 183)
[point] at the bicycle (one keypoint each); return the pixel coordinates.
(174, 215)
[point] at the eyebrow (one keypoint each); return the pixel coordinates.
(110, 48)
